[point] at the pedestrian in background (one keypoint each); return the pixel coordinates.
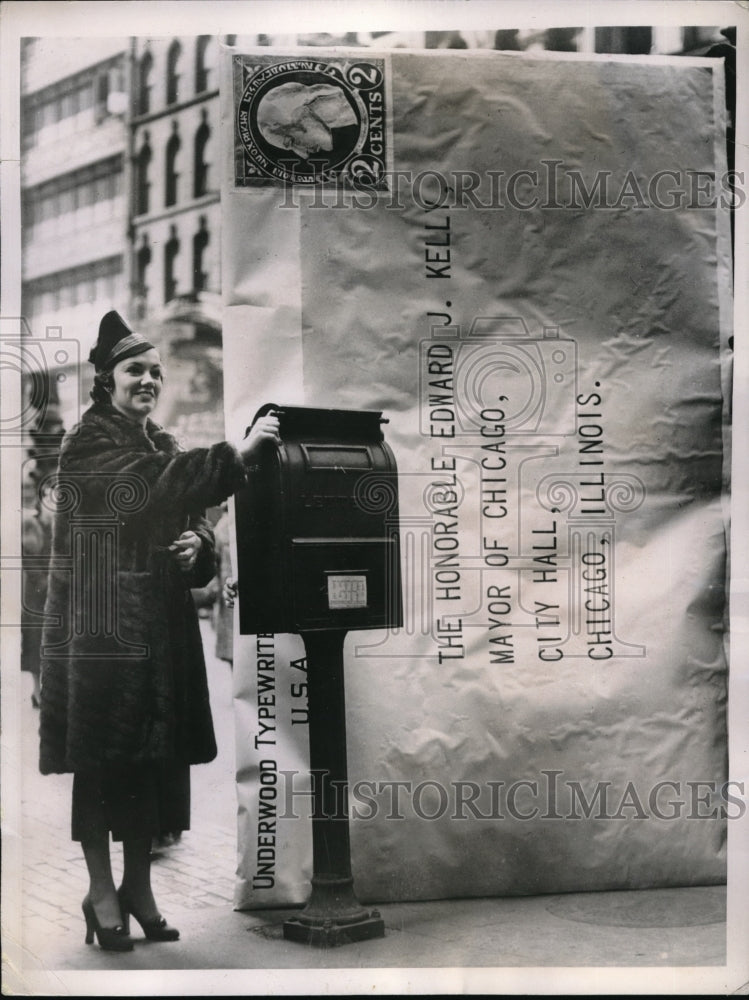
(36, 545)
(36, 537)
(223, 616)
(124, 694)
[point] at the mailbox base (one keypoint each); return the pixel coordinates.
(333, 916)
(331, 935)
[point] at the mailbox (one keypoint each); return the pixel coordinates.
(317, 543)
(317, 526)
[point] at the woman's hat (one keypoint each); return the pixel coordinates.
(116, 341)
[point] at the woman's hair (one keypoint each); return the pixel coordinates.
(103, 387)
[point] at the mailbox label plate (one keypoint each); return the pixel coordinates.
(347, 591)
(345, 583)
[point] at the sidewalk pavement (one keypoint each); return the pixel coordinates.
(194, 881)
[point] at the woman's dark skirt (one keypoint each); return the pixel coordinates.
(131, 801)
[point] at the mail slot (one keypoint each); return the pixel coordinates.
(317, 526)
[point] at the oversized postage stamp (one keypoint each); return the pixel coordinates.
(310, 121)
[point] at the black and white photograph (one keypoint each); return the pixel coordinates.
(375, 507)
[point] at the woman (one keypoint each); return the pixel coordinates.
(35, 545)
(124, 698)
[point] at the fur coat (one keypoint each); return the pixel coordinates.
(123, 673)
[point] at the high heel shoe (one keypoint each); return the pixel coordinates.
(109, 938)
(155, 930)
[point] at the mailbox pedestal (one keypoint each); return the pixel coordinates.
(333, 914)
(318, 554)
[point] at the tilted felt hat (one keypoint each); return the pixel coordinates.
(116, 341)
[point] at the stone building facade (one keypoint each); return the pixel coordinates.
(74, 165)
(120, 180)
(174, 198)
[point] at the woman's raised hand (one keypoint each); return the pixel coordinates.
(185, 550)
(264, 429)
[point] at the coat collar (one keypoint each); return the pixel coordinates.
(126, 432)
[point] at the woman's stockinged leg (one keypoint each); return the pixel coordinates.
(136, 897)
(102, 892)
(136, 878)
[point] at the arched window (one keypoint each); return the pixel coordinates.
(143, 98)
(202, 164)
(171, 250)
(172, 72)
(199, 243)
(172, 176)
(203, 60)
(142, 263)
(561, 39)
(142, 183)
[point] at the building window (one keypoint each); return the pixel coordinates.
(66, 202)
(102, 96)
(171, 250)
(69, 105)
(142, 263)
(199, 243)
(172, 176)
(561, 39)
(145, 68)
(58, 111)
(202, 164)
(172, 72)
(142, 183)
(629, 40)
(73, 201)
(78, 286)
(203, 51)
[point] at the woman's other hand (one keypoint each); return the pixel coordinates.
(229, 593)
(185, 550)
(264, 429)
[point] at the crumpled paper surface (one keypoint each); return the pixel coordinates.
(554, 705)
